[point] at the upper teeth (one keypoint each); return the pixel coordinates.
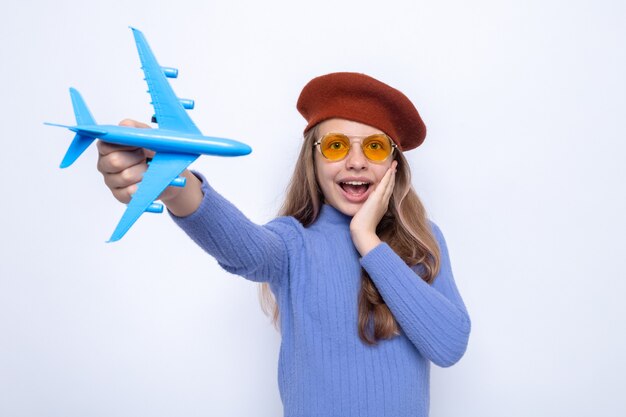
(356, 182)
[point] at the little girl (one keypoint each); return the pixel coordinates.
(359, 278)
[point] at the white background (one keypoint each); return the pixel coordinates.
(523, 169)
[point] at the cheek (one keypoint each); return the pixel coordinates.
(319, 170)
(321, 176)
(324, 171)
(380, 171)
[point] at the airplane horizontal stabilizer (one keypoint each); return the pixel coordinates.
(78, 146)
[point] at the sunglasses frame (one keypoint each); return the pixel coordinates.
(318, 144)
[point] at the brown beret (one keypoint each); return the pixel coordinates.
(361, 98)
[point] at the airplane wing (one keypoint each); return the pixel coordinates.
(170, 113)
(165, 167)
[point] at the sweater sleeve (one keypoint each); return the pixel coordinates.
(433, 317)
(258, 253)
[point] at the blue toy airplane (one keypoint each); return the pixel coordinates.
(177, 142)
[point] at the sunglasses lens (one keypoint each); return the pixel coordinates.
(335, 146)
(377, 147)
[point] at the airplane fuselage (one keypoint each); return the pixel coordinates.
(162, 140)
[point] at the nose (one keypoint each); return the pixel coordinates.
(356, 159)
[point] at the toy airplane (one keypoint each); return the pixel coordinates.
(177, 142)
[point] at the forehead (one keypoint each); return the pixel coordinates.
(347, 127)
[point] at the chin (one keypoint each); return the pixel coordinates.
(349, 209)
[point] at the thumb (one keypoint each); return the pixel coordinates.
(148, 153)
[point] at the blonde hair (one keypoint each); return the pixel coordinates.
(404, 228)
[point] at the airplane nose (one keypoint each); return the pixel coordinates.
(245, 149)
(236, 148)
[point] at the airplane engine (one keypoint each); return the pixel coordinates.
(178, 182)
(155, 208)
(187, 103)
(170, 72)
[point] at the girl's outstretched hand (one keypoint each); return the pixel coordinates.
(364, 223)
(123, 167)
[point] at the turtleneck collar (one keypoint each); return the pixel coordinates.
(329, 214)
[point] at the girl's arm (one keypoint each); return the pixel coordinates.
(433, 317)
(240, 246)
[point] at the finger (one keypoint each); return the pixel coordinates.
(117, 162)
(389, 182)
(384, 182)
(394, 170)
(378, 194)
(126, 178)
(105, 148)
(133, 123)
(390, 187)
(124, 194)
(148, 153)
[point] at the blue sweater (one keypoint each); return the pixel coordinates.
(314, 272)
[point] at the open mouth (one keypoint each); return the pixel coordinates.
(355, 189)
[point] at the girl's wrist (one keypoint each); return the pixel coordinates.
(188, 199)
(365, 242)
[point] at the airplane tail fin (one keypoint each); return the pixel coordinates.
(81, 111)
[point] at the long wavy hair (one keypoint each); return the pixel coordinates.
(404, 228)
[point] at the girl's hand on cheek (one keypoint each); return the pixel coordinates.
(364, 223)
